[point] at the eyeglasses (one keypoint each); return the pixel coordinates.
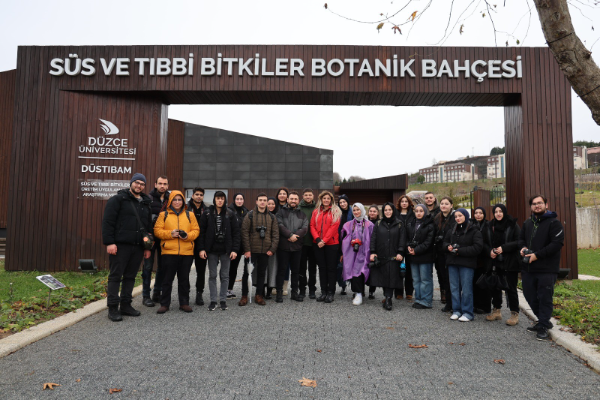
(139, 183)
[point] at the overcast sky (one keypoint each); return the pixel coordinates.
(367, 141)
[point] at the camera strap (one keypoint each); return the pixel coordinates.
(142, 228)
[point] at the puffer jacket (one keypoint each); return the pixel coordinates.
(470, 246)
(323, 228)
(169, 220)
(291, 222)
(424, 251)
(120, 224)
(251, 240)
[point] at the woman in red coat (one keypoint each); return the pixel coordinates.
(324, 229)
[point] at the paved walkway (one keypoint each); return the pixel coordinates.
(262, 352)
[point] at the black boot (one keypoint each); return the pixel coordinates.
(279, 297)
(268, 296)
(199, 299)
(126, 309)
(322, 297)
(388, 304)
(329, 298)
(114, 314)
(156, 297)
(311, 294)
(295, 296)
(147, 302)
(447, 308)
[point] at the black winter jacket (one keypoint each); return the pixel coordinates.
(239, 217)
(208, 231)
(483, 259)
(442, 225)
(387, 240)
(198, 211)
(510, 248)
(424, 252)
(545, 236)
(157, 203)
(120, 224)
(470, 246)
(406, 218)
(291, 222)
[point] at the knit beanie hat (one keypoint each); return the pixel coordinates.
(137, 177)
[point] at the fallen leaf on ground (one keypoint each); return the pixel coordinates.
(50, 385)
(419, 346)
(307, 382)
(319, 351)
(450, 383)
(461, 344)
(78, 380)
(500, 361)
(111, 391)
(390, 327)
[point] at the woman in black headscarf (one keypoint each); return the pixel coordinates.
(481, 297)
(373, 217)
(388, 243)
(237, 206)
(504, 254)
(344, 205)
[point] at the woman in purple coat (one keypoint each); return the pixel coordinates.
(356, 238)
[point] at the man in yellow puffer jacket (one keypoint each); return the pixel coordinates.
(177, 228)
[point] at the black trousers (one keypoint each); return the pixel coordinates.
(538, 289)
(512, 296)
(481, 297)
(200, 272)
(307, 274)
(233, 268)
(407, 283)
(388, 292)
(327, 260)
(180, 266)
(442, 273)
(357, 284)
(285, 258)
(260, 261)
(124, 266)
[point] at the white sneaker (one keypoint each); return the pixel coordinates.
(454, 317)
(357, 299)
(464, 319)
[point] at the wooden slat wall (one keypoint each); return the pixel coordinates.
(176, 134)
(48, 118)
(7, 105)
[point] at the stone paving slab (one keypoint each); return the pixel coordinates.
(262, 352)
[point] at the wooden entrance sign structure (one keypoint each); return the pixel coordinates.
(61, 94)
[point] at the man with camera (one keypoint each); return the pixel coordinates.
(293, 226)
(126, 224)
(197, 206)
(541, 241)
(159, 195)
(219, 235)
(260, 237)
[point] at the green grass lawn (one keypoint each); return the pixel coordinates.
(589, 261)
(577, 305)
(26, 304)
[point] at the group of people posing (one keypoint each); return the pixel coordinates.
(286, 237)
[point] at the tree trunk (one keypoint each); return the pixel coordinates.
(573, 58)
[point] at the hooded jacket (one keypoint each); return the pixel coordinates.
(169, 220)
(158, 204)
(251, 240)
(291, 222)
(307, 209)
(470, 244)
(545, 236)
(120, 224)
(424, 251)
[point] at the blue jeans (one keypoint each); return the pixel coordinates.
(461, 287)
(422, 275)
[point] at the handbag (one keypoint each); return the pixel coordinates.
(147, 237)
(492, 281)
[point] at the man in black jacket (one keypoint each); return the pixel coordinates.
(219, 235)
(197, 206)
(541, 241)
(431, 202)
(293, 226)
(122, 235)
(159, 195)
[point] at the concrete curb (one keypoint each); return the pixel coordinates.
(19, 340)
(566, 339)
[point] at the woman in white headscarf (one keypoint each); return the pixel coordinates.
(356, 239)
